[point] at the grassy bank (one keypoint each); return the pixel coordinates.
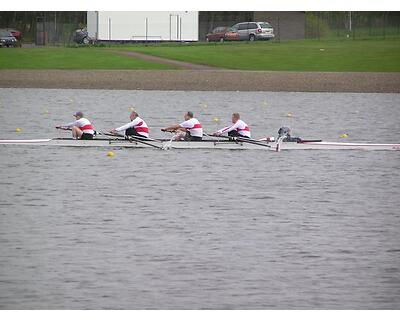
(307, 55)
(70, 58)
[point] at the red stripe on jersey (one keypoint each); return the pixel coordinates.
(138, 128)
(245, 129)
(142, 129)
(196, 126)
(86, 127)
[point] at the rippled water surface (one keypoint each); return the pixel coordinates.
(194, 228)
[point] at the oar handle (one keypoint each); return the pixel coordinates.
(171, 131)
(63, 128)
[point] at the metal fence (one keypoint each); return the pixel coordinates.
(352, 25)
(44, 27)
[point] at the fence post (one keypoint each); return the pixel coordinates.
(384, 25)
(279, 30)
(369, 27)
(55, 27)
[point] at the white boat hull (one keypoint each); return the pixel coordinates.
(205, 144)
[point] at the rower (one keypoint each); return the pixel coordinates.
(137, 127)
(285, 133)
(81, 127)
(238, 128)
(189, 130)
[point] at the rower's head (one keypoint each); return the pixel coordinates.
(235, 117)
(133, 115)
(188, 115)
(78, 115)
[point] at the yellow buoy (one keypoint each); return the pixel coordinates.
(18, 130)
(110, 154)
(216, 120)
(205, 106)
(289, 114)
(344, 135)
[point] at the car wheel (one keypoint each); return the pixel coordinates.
(85, 41)
(207, 40)
(252, 37)
(221, 40)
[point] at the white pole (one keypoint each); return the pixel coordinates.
(180, 28)
(146, 27)
(170, 28)
(350, 20)
(109, 28)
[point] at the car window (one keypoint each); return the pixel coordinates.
(243, 26)
(215, 30)
(265, 25)
(5, 34)
(253, 26)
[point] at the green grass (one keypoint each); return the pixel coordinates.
(306, 55)
(70, 58)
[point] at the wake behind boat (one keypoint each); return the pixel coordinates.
(216, 143)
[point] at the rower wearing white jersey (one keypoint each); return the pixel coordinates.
(189, 130)
(137, 127)
(81, 127)
(238, 128)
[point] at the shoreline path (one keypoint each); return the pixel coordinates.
(203, 80)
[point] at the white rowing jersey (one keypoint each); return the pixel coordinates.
(83, 124)
(193, 126)
(240, 126)
(138, 124)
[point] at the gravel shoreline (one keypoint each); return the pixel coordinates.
(203, 80)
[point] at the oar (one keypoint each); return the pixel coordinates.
(168, 144)
(240, 139)
(63, 128)
(133, 138)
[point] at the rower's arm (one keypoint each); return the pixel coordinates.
(173, 128)
(68, 125)
(228, 129)
(125, 126)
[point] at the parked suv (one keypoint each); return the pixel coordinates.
(7, 39)
(254, 31)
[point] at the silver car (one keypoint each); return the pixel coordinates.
(7, 39)
(254, 31)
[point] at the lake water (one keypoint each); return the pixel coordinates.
(189, 229)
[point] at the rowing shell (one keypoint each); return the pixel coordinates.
(205, 144)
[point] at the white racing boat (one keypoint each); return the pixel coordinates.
(205, 144)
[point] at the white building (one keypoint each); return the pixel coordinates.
(143, 25)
